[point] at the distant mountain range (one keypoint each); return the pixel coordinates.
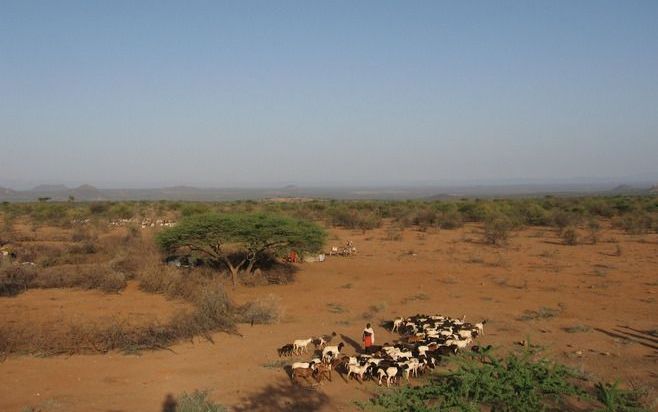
(90, 193)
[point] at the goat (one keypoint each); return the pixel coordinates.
(323, 371)
(300, 345)
(331, 351)
(397, 322)
(357, 370)
(286, 350)
(305, 373)
(319, 342)
(306, 365)
(388, 373)
(480, 327)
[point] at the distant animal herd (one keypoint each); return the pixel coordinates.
(425, 339)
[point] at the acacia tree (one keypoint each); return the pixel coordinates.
(239, 241)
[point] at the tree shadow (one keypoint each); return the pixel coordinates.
(283, 397)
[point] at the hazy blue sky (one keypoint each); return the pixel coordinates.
(140, 93)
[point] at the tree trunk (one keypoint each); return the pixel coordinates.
(250, 266)
(234, 270)
(234, 275)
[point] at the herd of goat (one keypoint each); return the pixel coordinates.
(424, 340)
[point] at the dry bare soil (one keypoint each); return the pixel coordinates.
(598, 304)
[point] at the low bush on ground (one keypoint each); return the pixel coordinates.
(15, 279)
(212, 312)
(265, 310)
(541, 313)
(450, 220)
(635, 223)
(355, 218)
(570, 236)
(196, 401)
(616, 399)
(95, 276)
(497, 229)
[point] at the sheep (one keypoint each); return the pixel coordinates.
(331, 351)
(301, 344)
(286, 350)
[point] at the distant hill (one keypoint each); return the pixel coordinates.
(629, 190)
(86, 193)
(50, 188)
(6, 192)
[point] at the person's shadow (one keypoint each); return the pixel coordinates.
(169, 404)
(356, 345)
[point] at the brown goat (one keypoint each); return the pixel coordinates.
(323, 371)
(305, 373)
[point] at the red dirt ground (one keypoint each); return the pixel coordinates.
(447, 272)
(50, 308)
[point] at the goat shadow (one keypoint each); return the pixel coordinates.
(646, 341)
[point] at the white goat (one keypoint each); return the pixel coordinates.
(300, 345)
(330, 352)
(397, 322)
(358, 370)
(388, 373)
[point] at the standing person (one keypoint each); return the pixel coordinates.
(368, 338)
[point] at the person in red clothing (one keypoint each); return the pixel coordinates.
(368, 337)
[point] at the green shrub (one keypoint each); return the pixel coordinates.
(355, 219)
(635, 223)
(594, 227)
(561, 219)
(190, 209)
(615, 399)
(497, 229)
(450, 220)
(515, 383)
(197, 401)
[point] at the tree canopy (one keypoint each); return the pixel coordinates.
(221, 237)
